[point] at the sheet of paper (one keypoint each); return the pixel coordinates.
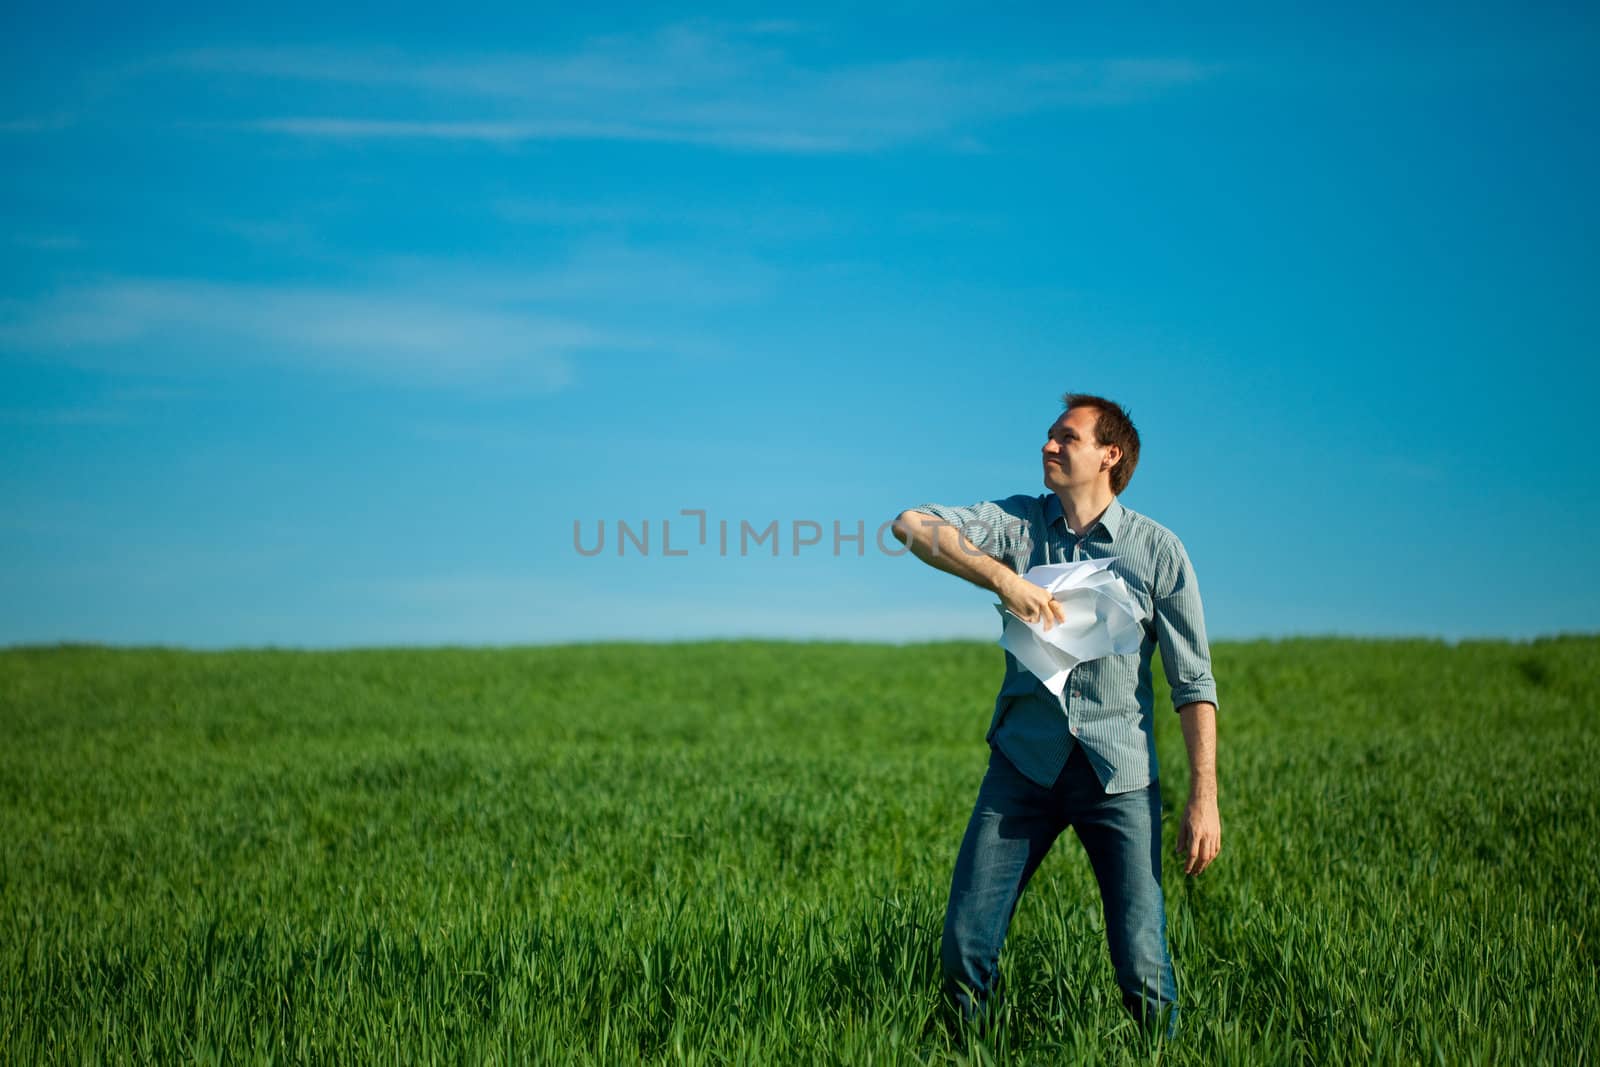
(1102, 619)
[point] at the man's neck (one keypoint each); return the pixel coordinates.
(1082, 508)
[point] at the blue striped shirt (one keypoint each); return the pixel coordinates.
(1108, 704)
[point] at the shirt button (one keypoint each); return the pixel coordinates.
(1077, 694)
(1074, 731)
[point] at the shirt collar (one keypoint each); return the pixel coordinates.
(1111, 519)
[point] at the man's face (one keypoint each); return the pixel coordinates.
(1072, 458)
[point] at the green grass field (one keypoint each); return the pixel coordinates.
(739, 853)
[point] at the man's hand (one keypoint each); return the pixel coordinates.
(1030, 602)
(1199, 834)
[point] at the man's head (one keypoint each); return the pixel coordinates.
(1094, 437)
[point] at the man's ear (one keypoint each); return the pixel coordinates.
(1113, 454)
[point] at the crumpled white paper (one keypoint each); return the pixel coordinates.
(1102, 619)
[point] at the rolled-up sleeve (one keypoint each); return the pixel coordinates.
(1181, 631)
(1000, 528)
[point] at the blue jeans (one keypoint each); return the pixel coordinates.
(1014, 823)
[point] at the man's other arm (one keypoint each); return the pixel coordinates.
(1200, 829)
(942, 546)
(1186, 659)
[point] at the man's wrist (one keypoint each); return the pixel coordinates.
(1003, 580)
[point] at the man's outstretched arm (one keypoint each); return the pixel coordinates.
(1200, 830)
(941, 545)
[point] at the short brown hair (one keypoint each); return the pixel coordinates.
(1113, 427)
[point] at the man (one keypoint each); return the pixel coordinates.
(1088, 760)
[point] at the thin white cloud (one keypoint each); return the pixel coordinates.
(111, 407)
(695, 84)
(510, 132)
(291, 234)
(588, 215)
(399, 335)
(48, 242)
(33, 125)
(767, 219)
(74, 415)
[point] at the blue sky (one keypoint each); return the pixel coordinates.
(319, 329)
